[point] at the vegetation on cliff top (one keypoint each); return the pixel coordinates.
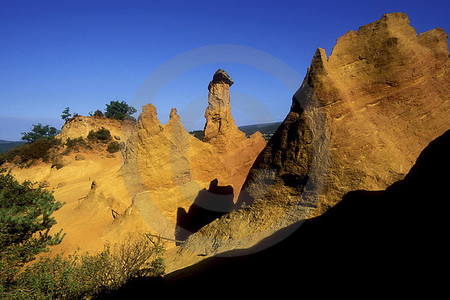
(114, 110)
(25, 155)
(39, 132)
(119, 111)
(49, 149)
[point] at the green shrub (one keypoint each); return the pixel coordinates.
(119, 111)
(84, 275)
(135, 256)
(10, 155)
(5, 147)
(72, 277)
(30, 152)
(98, 114)
(75, 145)
(102, 135)
(91, 136)
(39, 132)
(113, 147)
(158, 267)
(25, 221)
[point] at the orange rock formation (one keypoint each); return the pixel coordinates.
(363, 115)
(232, 149)
(359, 121)
(160, 170)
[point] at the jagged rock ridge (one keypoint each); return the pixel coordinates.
(358, 121)
(372, 106)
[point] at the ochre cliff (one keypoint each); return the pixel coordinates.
(359, 121)
(367, 111)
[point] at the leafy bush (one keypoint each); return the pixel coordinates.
(25, 221)
(133, 257)
(98, 113)
(91, 136)
(38, 132)
(119, 110)
(61, 277)
(113, 147)
(75, 144)
(102, 135)
(158, 267)
(30, 152)
(84, 275)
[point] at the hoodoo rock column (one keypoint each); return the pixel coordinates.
(220, 129)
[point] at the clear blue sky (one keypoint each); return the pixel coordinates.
(83, 54)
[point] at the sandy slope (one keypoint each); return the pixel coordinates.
(82, 218)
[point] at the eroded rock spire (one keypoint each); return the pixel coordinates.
(219, 122)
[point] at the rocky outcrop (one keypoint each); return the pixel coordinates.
(362, 116)
(80, 126)
(358, 121)
(231, 146)
(168, 169)
(160, 169)
(220, 128)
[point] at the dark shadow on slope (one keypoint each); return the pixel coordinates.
(373, 240)
(208, 205)
(381, 242)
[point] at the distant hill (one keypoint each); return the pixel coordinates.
(6, 145)
(267, 129)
